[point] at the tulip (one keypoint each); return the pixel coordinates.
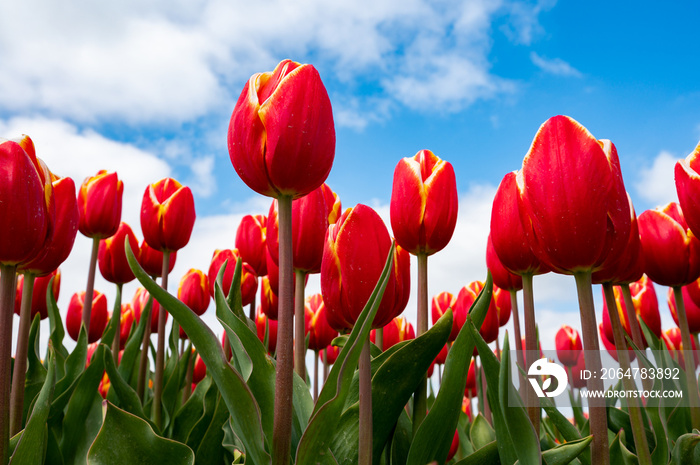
(112, 255)
(193, 291)
(167, 215)
(688, 189)
(200, 370)
(467, 408)
(320, 332)
(330, 354)
(249, 280)
(39, 291)
(398, 330)
(466, 298)
(128, 317)
(269, 302)
(139, 302)
(440, 304)
(251, 242)
(97, 323)
(501, 299)
(442, 356)
(453, 447)
(610, 345)
(151, 260)
(568, 344)
(265, 325)
(333, 204)
(502, 277)
(692, 310)
(100, 205)
(646, 308)
(470, 389)
(674, 343)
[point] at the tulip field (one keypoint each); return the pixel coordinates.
(149, 382)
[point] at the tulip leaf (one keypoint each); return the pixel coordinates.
(125, 438)
(567, 452)
(192, 410)
(486, 455)
(619, 454)
(684, 451)
(245, 412)
(132, 349)
(210, 448)
(128, 399)
(240, 358)
(36, 372)
(317, 438)
(434, 436)
(113, 325)
(74, 369)
(57, 333)
(32, 445)
(481, 432)
(199, 429)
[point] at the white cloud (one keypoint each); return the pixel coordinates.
(524, 26)
(555, 66)
(655, 183)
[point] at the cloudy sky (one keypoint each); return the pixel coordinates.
(147, 89)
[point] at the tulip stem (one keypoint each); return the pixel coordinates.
(518, 340)
(640, 438)
(689, 358)
(316, 357)
(282, 425)
(87, 305)
(251, 311)
(379, 338)
(189, 374)
(7, 311)
(117, 313)
(160, 351)
(531, 349)
(326, 367)
(143, 363)
(299, 326)
(596, 405)
(20, 368)
(420, 403)
(365, 443)
(631, 314)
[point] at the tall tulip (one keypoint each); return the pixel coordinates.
(269, 302)
(398, 330)
(440, 304)
(97, 323)
(249, 280)
(568, 344)
(39, 291)
(193, 291)
(251, 242)
(688, 188)
(151, 260)
(466, 298)
(320, 332)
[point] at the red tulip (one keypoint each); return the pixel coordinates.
(193, 291)
(249, 281)
(439, 306)
(41, 287)
(423, 203)
(442, 356)
(576, 374)
(568, 344)
(398, 330)
(100, 205)
(167, 215)
(330, 354)
(27, 211)
(356, 249)
(335, 207)
(151, 260)
(98, 319)
(501, 299)
(320, 332)
(200, 370)
(610, 344)
(281, 137)
(692, 310)
(671, 251)
(261, 321)
(112, 255)
(646, 308)
(470, 389)
(65, 228)
(502, 278)
(465, 299)
(673, 340)
(453, 446)
(309, 225)
(572, 200)
(251, 242)
(467, 408)
(268, 299)
(128, 316)
(139, 302)
(688, 189)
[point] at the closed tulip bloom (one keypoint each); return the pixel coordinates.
(100, 205)
(646, 308)
(251, 242)
(112, 255)
(502, 278)
(423, 203)
(193, 291)
(39, 291)
(98, 320)
(319, 331)
(442, 356)
(335, 207)
(281, 138)
(330, 354)
(576, 379)
(692, 309)
(27, 211)
(200, 370)
(466, 298)
(357, 247)
(249, 280)
(128, 317)
(398, 330)
(65, 228)
(470, 388)
(501, 299)
(688, 188)
(139, 302)
(261, 321)
(674, 343)
(568, 344)
(440, 304)
(151, 260)
(453, 446)
(268, 299)
(572, 200)
(309, 225)
(609, 344)
(167, 215)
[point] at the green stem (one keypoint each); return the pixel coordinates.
(326, 365)
(420, 402)
(117, 313)
(532, 351)
(596, 405)
(316, 357)
(640, 438)
(299, 326)
(143, 363)
(87, 304)
(189, 374)
(20, 368)
(518, 340)
(689, 359)
(282, 424)
(365, 442)
(7, 311)
(631, 314)
(379, 338)
(160, 351)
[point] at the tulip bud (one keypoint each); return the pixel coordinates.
(151, 260)
(193, 291)
(200, 370)
(692, 310)
(423, 203)
(320, 332)
(249, 281)
(440, 304)
(501, 299)
(98, 319)
(610, 344)
(470, 389)
(251, 242)
(398, 330)
(333, 204)
(502, 278)
(674, 342)
(568, 344)
(442, 356)
(281, 137)
(100, 205)
(139, 302)
(112, 255)
(466, 298)
(646, 308)
(688, 189)
(261, 322)
(453, 446)
(167, 215)
(41, 288)
(128, 316)
(330, 354)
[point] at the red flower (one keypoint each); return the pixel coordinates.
(151, 260)
(112, 255)
(398, 330)
(200, 370)
(439, 306)
(465, 299)
(251, 242)
(320, 332)
(39, 291)
(356, 249)
(193, 291)
(261, 321)
(281, 137)
(646, 308)
(610, 344)
(331, 354)
(688, 188)
(268, 299)
(335, 207)
(249, 280)
(674, 342)
(568, 344)
(692, 310)
(98, 317)
(502, 278)
(139, 302)
(100, 205)
(470, 388)
(423, 203)
(501, 299)
(128, 316)
(167, 215)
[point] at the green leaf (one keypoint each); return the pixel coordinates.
(36, 372)
(32, 445)
(434, 436)
(619, 454)
(565, 453)
(481, 432)
(74, 368)
(128, 399)
(316, 440)
(199, 429)
(238, 397)
(487, 455)
(57, 332)
(684, 451)
(567, 430)
(113, 325)
(132, 350)
(210, 449)
(125, 438)
(191, 412)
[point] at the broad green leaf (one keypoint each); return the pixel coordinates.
(567, 430)
(210, 449)
(128, 399)
(481, 432)
(113, 325)
(238, 397)
(434, 436)
(74, 368)
(240, 358)
(619, 454)
(126, 439)
(401, 440)
(57, 333)
(199, 429)
(684, 451)
(132, 350)
(35, 376)
(565, 453)
(188, 415)
(32, 445)
(487, 455)
(316, 440)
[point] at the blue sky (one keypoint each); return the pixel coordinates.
(147, 89)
